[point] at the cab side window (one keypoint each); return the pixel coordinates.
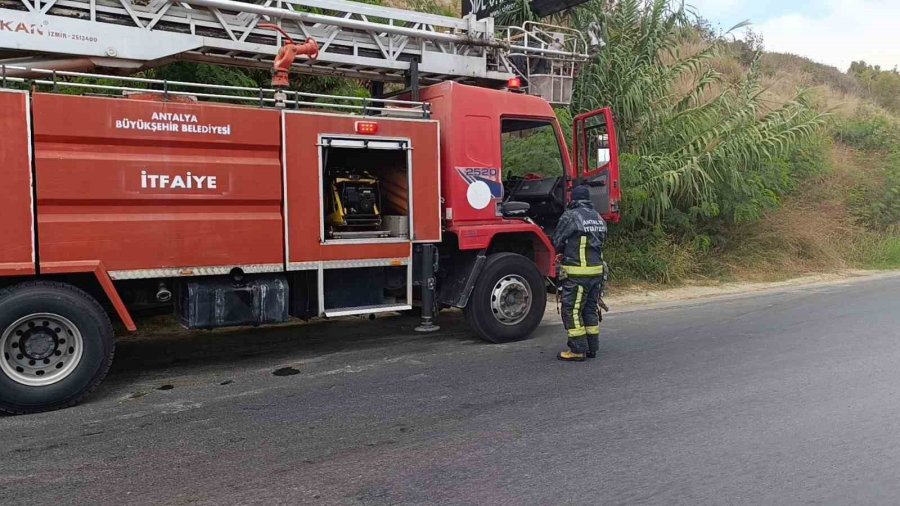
(598, 147)
(530, 148)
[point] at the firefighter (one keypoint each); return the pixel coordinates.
(578, 241)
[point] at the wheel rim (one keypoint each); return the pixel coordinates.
(511, 299)
(41, 349)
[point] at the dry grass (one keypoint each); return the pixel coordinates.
(811, 73)
(813, 231)
(835, 91)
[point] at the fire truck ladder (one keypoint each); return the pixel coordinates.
(356, 40)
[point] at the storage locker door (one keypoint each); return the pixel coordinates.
(16, 207)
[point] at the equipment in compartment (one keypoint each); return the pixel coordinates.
(355, 200)
(207, 303)
(397, 226)
(366, 189)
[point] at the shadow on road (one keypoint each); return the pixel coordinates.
(162, 343)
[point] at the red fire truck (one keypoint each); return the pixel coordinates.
(239, 206)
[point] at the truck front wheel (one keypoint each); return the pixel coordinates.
(57, 345)
(508, 300)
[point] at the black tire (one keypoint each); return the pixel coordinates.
(479, 312)
(21, 302)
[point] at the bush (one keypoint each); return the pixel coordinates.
(883, 86)
(705, 151)
(875, 200)
(878, 206)
(649, 256)
(869, 128)
(879, 252)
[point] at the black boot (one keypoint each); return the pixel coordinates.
(593, 346)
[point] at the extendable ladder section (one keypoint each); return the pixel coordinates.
(356, 40)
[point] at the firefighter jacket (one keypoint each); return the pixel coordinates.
(579, 239)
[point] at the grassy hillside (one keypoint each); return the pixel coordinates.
(844, 212)
(777, 205)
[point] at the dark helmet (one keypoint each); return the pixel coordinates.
(581, 192)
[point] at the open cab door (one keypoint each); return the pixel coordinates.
(596, 158)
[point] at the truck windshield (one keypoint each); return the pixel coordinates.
(530, 149)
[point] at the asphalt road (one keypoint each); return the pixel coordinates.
(779, 398)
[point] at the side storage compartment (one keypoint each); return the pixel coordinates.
(304, 294)
(365, 184)
(222, 302)
(366, 290)
(359, 193)
(352, 196)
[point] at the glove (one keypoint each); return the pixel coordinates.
(560, 273)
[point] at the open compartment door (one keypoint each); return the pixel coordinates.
(596, 158)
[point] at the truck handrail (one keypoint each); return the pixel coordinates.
(265, 97)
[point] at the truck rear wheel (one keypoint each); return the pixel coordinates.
(508, 301)
(57, 345)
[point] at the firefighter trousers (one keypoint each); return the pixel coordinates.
(580, 312)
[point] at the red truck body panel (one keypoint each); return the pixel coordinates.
(150, 188)
(16, 219)
(142, 188)
(99, 165)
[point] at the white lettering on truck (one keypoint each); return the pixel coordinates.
(172, 122)
(178, 182)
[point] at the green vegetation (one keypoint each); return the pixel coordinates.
(707, 151)
(737, 163)
(534, 151)
(706, 148)
(875, 200)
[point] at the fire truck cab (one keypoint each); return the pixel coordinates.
(506, 175)
(501, 147)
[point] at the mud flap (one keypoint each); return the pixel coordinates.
(458, 280)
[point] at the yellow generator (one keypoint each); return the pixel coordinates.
(355, 202)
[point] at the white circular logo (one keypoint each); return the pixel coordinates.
(479, 195)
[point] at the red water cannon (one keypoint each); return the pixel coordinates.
(287, 54)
